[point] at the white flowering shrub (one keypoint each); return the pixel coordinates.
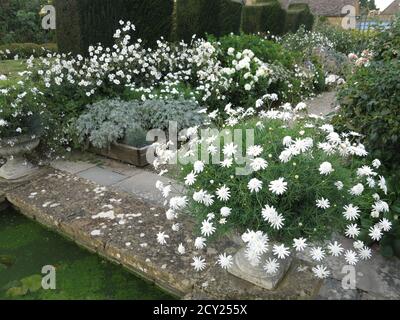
(304, 183)
(60, 86)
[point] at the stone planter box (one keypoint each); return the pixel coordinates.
(124, 153)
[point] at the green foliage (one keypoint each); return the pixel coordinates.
(20, 22)
(298, 15)
(346, 41)
(370, 100)
(370, 104)
(26, 50)
(81, 23)
(108, 121)
(268, 17)
(199, 17)
(266, 50)
(386, 46)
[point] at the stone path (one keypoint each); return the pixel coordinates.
(323, 104)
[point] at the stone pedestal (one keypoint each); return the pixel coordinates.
(17, 168)
(13, 149)
(256, 275)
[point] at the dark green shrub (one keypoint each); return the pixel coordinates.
(298, 15)
(386, 46)
(370, 104)
(25, 50)
(81, 23)
(199, 17)
(21, 22)
(266, 50)
(268, 17)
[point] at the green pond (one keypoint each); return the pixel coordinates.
(25, 247)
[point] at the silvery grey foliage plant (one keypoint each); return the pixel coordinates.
(108, 121)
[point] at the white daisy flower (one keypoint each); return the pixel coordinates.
(227, 163)
(254, 185)
(190, 179)
(351, 257)
(281, 251)
(339, 185)
(335, 249)
(200, 243)
(230, 149)
(198, 263)
(258, 164)
(352, 231)
(254, 151)
(299, 244)
(323, 203)
(271, 266)
(351, 212)
(223, 193)
(207, 228)
(317, 253)
(375, 233)
(225, 211)
(224, 261)
(326, 168)
(376, 164)
(365, 253)
(278, 187)
(385, 224)
(181, 249)
(162, 237)
(198, 166)
(321, 272)
(357, 190)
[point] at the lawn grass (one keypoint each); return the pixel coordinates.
(11, 68)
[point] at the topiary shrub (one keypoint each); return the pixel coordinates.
(81, 23)
(268, 17)
(298, 15)
(199, 17)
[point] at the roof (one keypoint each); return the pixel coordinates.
(392, 9)
(329, 8)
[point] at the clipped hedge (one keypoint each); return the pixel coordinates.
(26, 50)
(298, 15)
(264, 17)
(81, 23)
(199, 17)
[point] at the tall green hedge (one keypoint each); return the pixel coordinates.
(297, 15)
(217, 17)
(264, 17)
(81, 23)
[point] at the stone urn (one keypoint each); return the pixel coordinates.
(13, 149)
(255, 274)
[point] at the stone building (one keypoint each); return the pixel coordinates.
(331, 9)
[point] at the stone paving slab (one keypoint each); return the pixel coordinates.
(379, 276)
(72, 166)
(123, 228)
(143, 186)
(102, 176)
(332, 289)
(323, 104)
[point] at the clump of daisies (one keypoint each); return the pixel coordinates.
(286, 185)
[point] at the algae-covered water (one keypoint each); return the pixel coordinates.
(25, 247)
